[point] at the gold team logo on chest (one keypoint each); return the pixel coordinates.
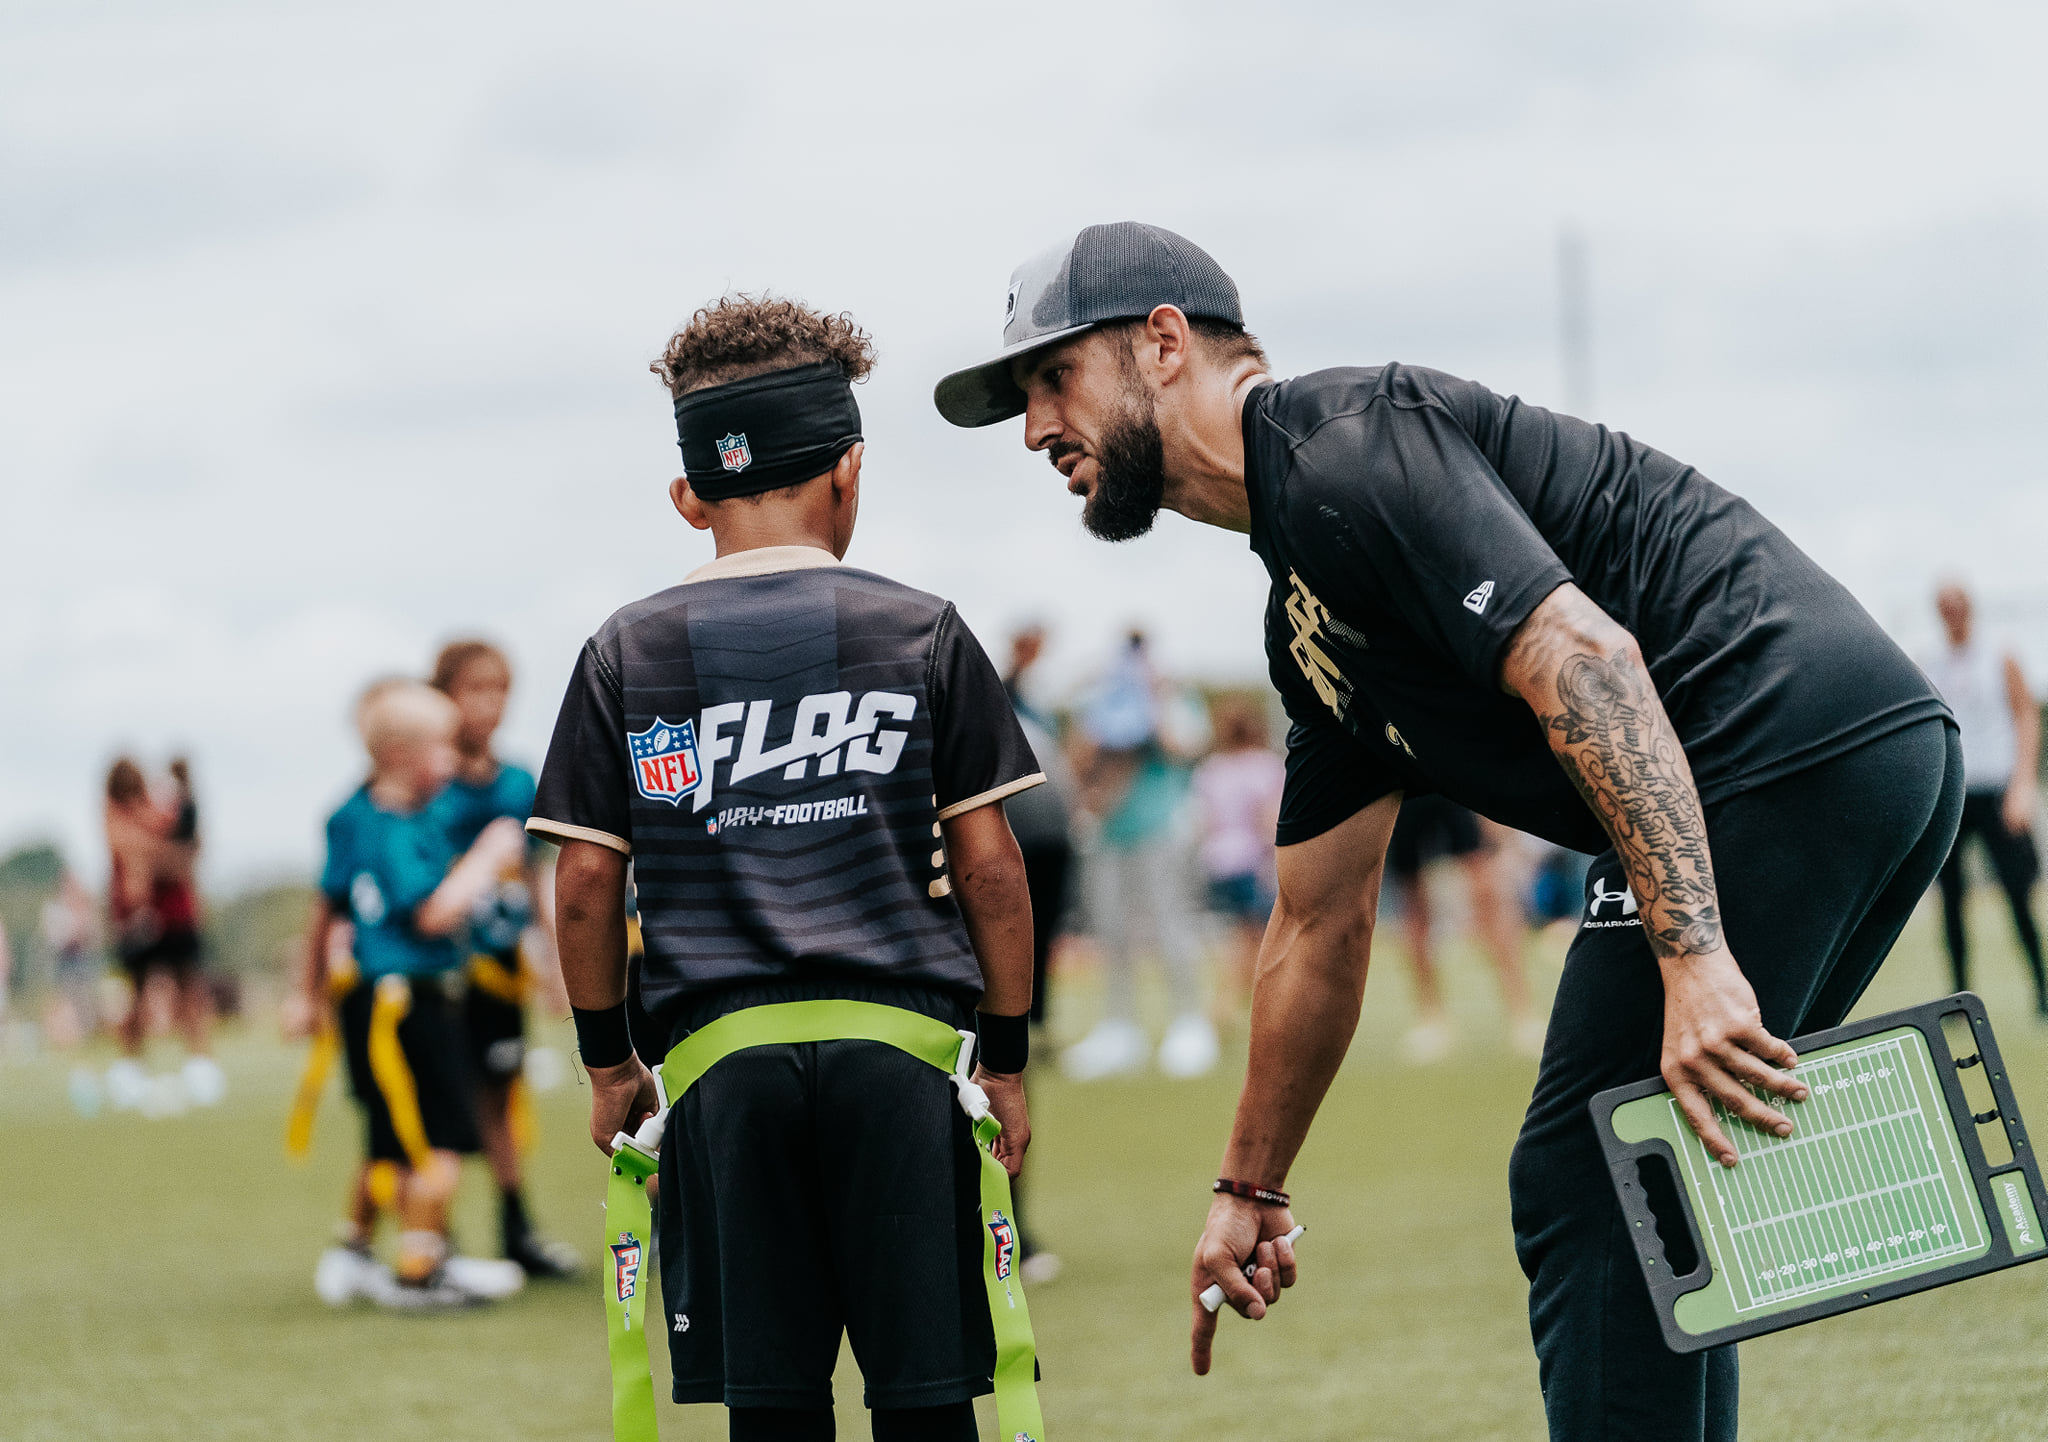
(1309, 617)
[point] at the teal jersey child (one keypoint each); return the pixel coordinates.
(504, 912)
(509, 793)
(381, 865)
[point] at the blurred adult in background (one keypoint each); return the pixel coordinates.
(510, 939)
(1136, 785)
(2001, 726)
(1027, 644)
(1042, 821)
(1041, 818)
(67, 925)
(153, 848)
(1434, 828)
(1237, 800)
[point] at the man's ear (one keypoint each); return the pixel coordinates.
(1166, 343)
(689, 505)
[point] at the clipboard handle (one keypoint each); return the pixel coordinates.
(1651, 1229)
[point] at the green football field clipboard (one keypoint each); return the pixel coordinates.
(1883, 1189)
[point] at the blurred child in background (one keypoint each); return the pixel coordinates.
(394, 873)
(67, 926)
(1237, 797)
(1133, 779)
(1432, 828)
(152, 897)
(510, 939)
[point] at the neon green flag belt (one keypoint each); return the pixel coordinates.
(628, 1222)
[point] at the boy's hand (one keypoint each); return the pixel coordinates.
(1006, 1104)
(621, 1097)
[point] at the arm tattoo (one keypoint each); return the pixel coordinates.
(1615, 742)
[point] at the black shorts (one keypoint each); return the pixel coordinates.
(812, 1188)
(176, 950)
(1430, 827)
(497, 1035)
(436, 1052)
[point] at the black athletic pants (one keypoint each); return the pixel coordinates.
(2017, 866)
(1818, 873)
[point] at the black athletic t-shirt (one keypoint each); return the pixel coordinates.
(1411, 521)
(775, 742)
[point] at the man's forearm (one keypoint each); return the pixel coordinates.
(1585, 679)
(1311, 983)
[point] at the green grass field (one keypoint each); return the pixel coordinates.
(155, 1275)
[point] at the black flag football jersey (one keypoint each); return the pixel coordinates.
(775, 742)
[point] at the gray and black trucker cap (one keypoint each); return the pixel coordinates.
(1107, 272)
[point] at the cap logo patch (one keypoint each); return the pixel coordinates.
(733, 453)
(1010, 305)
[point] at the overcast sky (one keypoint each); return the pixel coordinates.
(324, 328)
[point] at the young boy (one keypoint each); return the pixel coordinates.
(802, 761)
(476, 676)
(395, 875)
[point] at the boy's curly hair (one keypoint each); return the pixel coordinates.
(738, 336)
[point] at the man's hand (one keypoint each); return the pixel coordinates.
(2018, 810)
(1239, 1230)
(621, 1097)
(1006, 1105)
(1715, 1048)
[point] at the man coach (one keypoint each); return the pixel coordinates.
(1562, 629)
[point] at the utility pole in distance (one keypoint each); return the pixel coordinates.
(1575, 322)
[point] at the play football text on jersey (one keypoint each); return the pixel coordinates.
(835, 730)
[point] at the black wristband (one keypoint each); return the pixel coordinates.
(1005, 1042)
(602, 1035)
(1253, 1192)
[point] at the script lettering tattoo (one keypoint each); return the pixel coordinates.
(1613, 739)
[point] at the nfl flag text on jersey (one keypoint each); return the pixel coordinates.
(835, 730)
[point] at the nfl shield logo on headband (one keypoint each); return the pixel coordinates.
(733, 453)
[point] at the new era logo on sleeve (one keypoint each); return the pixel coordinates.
(665, 766)
(1478, 596)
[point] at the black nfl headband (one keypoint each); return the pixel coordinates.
(764, 432)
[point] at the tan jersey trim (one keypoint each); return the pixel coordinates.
(763, 561)
(1022, 783)
(541, 826)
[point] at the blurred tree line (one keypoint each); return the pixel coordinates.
(248, 934)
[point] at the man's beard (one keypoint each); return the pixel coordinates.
(1130, 477)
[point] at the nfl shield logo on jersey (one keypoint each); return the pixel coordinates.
(665, 760)
(733, 453)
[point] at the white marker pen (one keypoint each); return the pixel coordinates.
(1212, 1295)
